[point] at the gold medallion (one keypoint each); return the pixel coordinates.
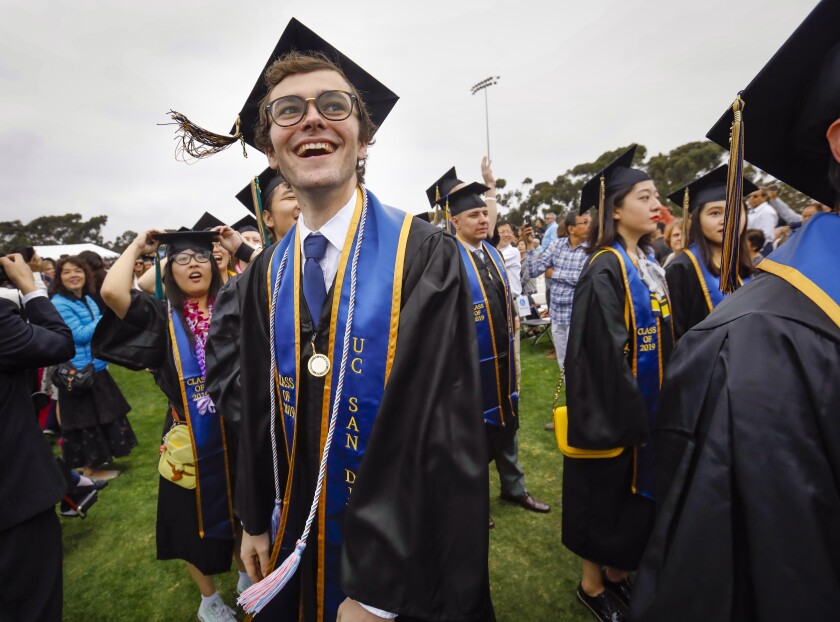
(319, 365)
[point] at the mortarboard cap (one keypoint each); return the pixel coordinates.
(182, 240)
(424, 216)
(710, 187)
(465, 198)
(442, 186)
(269, 180)
(207, 221)
(245, 224)
(615, 176)
(378, 99)
(789, 105)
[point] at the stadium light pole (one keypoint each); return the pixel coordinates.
(483, 86)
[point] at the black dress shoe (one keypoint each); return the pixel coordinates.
(604, 606)
(490, 524)
(528, 502)
(622, 590)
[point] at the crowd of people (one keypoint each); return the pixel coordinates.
(340, 374)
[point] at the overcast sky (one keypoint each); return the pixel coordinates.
(83, 85)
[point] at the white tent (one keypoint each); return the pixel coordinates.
(57, 250)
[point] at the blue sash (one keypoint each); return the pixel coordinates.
(212, 491)
(808, 261)
(376, 239)
(709, 283)
(643, 322)
(492, 390)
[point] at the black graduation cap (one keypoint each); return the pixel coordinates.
(246, 223)
(424, 216)
(710, 187)
(378, 99)
(269, 180)
(190, 239)
(615, 176)
(465, 198)
(207, 221)
(789, 105)
(442, 187)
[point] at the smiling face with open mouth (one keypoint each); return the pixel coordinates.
(316, 154)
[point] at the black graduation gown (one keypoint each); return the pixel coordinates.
(688, 304)
(416, 539)
(748, 441)
(141, 341)
(603, 521)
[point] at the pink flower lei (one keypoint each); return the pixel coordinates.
(199, 324)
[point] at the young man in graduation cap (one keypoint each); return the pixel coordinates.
(493, 316)
(362, 469)
(748, 433)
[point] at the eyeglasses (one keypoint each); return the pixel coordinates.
(290, 110)
(182, 259)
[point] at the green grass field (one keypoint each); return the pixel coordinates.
(111, 574)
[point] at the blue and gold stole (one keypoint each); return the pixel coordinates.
(492, 390)
(808, 261)
(375, 243)
(212, 491)
(709, 283)
(643, 315)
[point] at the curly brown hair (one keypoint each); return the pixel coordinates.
(296, 63)
(57, 287)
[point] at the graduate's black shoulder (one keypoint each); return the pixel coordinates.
(602, 261)
(679, 263)
(769, 295)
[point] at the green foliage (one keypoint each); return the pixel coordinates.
(673, 170)
(111, 574)
(63, 229)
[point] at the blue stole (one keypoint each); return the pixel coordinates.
(643, 318)
(376, 239)
(212, 491)
(808, 261)
(709, 283)
(488, 347)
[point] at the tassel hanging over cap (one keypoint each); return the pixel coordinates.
(158, 278)
(734, 198)
(256, 196)
(602, 192)
(686, 226)
(195, 142)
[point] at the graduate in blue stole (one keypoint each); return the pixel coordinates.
(748, 434)
(694, 274)
(168, 337)
(493, 317)
(620, 339)
(362, 467)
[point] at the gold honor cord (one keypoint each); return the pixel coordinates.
(734, 197)
(194, 142)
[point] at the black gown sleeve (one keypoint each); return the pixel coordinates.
(688, 305)
(605, 406)
(255, 473)
(748, 460)
(139, 340)
(416, 536)
(44, 340)
(222, 353)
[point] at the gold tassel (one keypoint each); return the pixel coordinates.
(686, 218)
(730, 254)
(601, 200)
(195, 142)
(256, 197)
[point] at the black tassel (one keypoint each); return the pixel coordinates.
(194, 142)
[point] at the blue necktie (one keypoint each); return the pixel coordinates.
(314, 290)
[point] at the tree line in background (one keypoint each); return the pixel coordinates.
(64, 229)
(670, 172)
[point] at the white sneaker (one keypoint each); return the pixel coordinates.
(216, 611)
(243, 584)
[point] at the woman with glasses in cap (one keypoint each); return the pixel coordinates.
(619, 341)
(694, 275)
(169, 337)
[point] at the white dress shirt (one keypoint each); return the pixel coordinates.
(763, 217)
(513, 266)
